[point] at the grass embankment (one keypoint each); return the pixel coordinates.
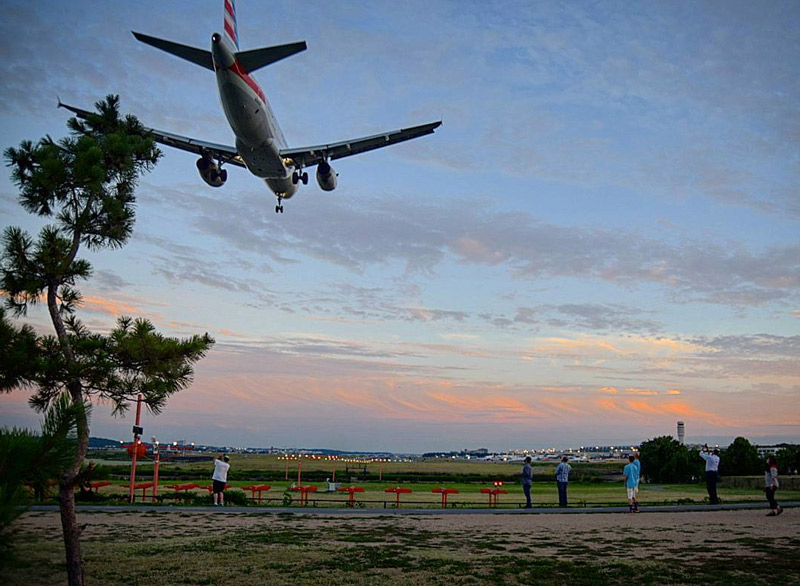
(721, 549)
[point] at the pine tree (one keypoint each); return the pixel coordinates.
(84, 185)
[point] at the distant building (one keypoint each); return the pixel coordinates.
(681, 432)
(765, 451)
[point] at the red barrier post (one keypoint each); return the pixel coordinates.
(398, 491)
(257, 488)
(352, 490)
(444, 492)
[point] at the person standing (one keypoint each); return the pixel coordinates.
(562, 478)
(638, 464)
(527, 481)
(630, 475)
(771, 485)
(712, 472)
(219, 479)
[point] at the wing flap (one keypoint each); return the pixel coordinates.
(309, 156)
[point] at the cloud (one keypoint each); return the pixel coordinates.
(386, 232)
(588, 316)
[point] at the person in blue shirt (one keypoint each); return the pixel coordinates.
(638, 464)
(631, 475)
(562, 478)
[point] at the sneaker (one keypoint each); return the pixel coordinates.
(780, 510)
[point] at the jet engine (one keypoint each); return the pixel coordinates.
(326, 176)
(211, 173)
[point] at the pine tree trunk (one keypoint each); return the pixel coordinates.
(68, 478)
(72, 534)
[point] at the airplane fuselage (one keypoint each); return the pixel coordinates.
(258, 136)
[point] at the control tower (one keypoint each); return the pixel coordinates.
(681, 432)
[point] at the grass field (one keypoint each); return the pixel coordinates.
(187, 545)
(544, 493)
(595, 484)
(254, 464)
(725, 548)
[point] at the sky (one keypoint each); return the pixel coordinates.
(603, 237)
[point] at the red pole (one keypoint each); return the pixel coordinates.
(132, 495)
(334, 471)
(299, 467)
(287, 466)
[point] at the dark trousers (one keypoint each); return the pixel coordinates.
(562, 493)
(526, 488)
(773, 504)
(711, 485)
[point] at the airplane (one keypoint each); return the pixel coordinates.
(260, 144)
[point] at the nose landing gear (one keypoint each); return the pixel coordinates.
(279, 207)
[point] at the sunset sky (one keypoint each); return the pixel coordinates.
(603, 237)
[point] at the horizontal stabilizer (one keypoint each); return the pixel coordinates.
(258, 58)
(196, 56)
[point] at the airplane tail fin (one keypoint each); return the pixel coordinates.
(250, 60)
(256, 58)
(231, 29)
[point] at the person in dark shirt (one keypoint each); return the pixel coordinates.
(527, 481)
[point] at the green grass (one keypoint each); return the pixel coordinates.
(544, 493)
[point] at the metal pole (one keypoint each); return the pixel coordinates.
(132, 494)
(155, 473)
(299, 467)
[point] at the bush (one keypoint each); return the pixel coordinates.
(236, 497)
(789, 459)
(665, 459)
(740, 459)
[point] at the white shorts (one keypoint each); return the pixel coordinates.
(632, 492)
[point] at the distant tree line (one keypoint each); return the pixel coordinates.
(665, 459)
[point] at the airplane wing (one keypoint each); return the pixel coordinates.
(219, 152)
(309, 156)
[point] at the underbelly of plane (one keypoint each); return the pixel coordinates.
(285, 187)
(245, 114)
(263, 161)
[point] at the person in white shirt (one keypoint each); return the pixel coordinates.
(712, 472)
(219, 479)
(771, 484)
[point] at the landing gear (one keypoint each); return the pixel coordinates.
(279, 207)
(299, 176)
